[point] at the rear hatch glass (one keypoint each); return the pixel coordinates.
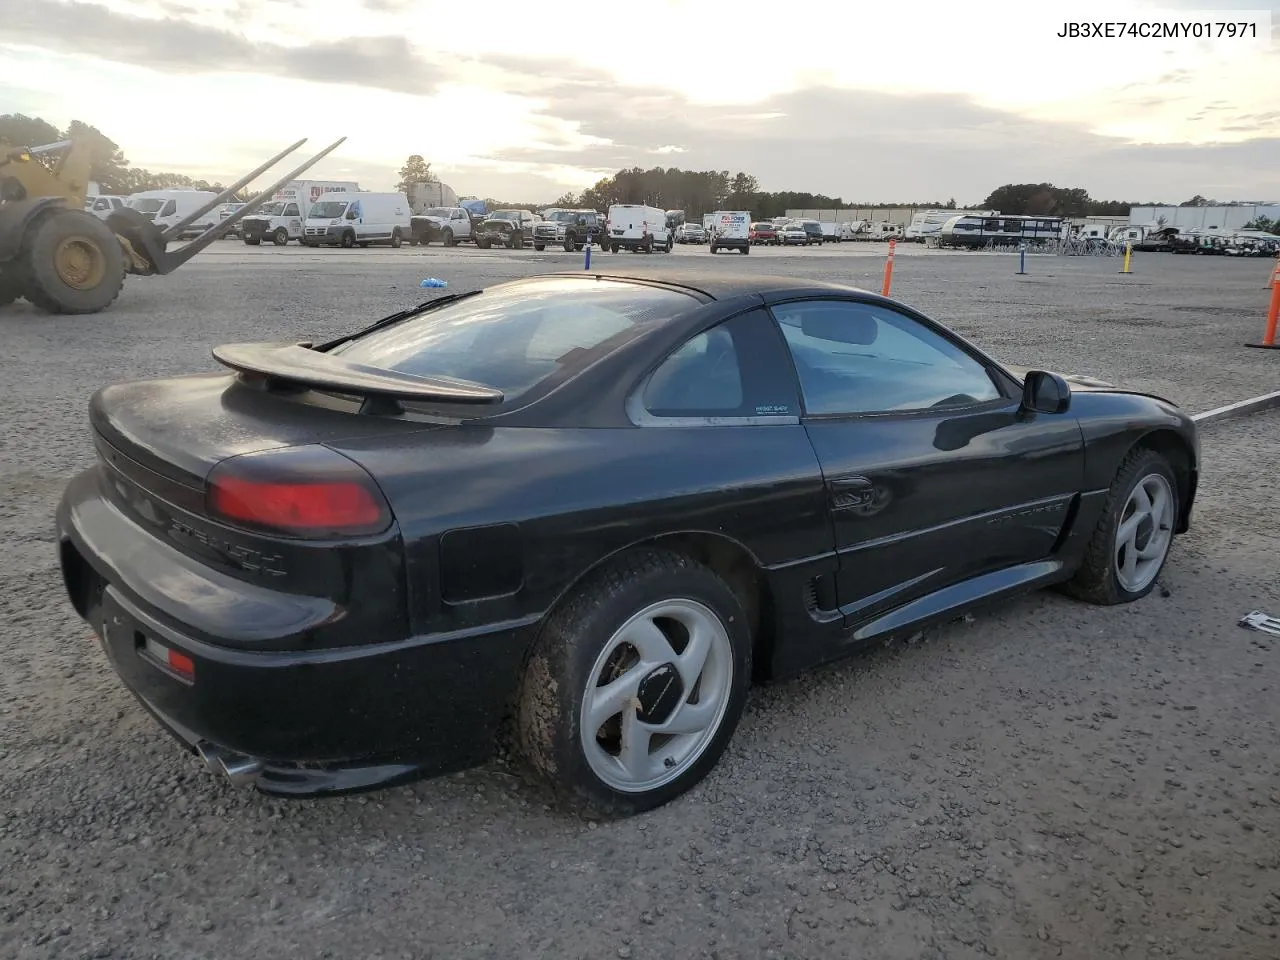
(521, 337)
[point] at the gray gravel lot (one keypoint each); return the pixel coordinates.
(1047, 780)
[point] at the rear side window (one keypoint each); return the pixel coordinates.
(520, 337)
(736, 369)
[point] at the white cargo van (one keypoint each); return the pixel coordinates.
(357, 219)
(165, 208)
(636, 227)
(731, 230)
(281, 220)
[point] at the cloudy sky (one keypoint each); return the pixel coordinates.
(523, 99)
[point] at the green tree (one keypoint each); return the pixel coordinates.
(1265, 224)
(108, 166)
(415, 170)
(19, 130)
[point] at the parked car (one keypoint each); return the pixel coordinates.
(448, 225)
(570, 229)
(764, 232)
(812, 231)
(792, 234)
(226, 210)
(597, 505)
(510, 228)
(691, 233)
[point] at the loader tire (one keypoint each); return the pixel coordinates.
(10, 287)
(73, 263)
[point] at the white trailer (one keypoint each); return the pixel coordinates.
(431, 193)
(284, 217)
(928, 223)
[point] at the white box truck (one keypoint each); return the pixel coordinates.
(357, 219)
(633, 226)
(165, 208)
(282, 219)
(731, 230)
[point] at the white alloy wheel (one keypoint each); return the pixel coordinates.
(656, 695)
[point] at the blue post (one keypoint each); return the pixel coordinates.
(587, 265)
(1022, 258)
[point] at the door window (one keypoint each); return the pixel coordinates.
(854, 358)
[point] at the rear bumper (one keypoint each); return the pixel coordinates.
(318, 721)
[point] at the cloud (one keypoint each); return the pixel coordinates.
(173, 45)
(869, 146)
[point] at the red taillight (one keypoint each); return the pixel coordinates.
(308, 491)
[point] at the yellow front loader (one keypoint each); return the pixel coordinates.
(64, 259)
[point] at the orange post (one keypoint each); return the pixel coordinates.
(1273, 317)
(888, 269)
(1275, 274)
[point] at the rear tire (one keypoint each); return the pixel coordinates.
(73, 264)
(746, 249)
(395, 238)
(651, 600)
(1107, 576)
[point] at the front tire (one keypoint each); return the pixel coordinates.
(1130, 545)
(446, 239)
(281, 237)
(348, 239)
(636, 685)
(73, 264)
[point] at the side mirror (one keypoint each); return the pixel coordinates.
(1044, 392)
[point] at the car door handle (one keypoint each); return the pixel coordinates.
(847, 492)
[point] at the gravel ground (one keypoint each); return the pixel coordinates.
(1048, 780)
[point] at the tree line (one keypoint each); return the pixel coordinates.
(109, 167)
(694, 191)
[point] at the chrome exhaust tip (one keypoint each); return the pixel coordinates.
(240, 770)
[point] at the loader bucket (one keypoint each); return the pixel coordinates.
(148, 243)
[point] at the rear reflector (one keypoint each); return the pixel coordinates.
(308, 491)
(179, 663)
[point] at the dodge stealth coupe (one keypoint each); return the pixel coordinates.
(585, 511)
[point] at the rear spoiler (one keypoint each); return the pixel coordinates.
(298, 363)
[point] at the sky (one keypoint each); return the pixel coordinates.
(909, 100)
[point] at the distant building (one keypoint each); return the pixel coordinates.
(1204, 218)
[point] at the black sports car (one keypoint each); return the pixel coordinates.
(596, 505)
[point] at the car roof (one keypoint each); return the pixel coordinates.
(720, 286)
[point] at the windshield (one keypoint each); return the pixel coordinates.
(272, 209)
(515, 337)
(329, 209)
(147, 205)
(505, 215)
(444, 213)
(563, 216)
